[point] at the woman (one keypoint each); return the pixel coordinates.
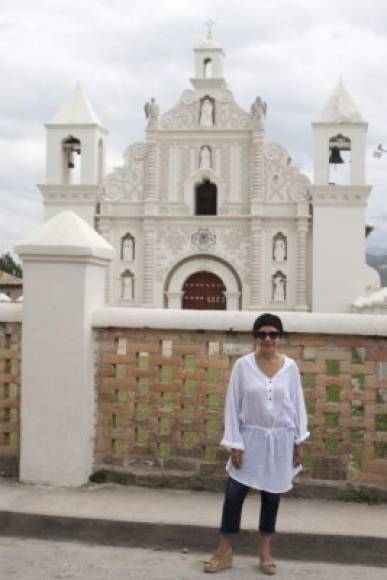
(265, 425)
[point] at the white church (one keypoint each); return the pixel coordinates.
(207, 214)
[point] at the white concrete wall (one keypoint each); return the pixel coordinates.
(64, 277)
(338, 257)
(238, 321)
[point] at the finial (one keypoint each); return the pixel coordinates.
(210, 23)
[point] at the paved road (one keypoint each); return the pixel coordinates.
(22, 559)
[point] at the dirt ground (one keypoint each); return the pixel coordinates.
(24, 559)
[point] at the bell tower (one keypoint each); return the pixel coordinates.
(208, 63)
(339, 198)
(75, 159)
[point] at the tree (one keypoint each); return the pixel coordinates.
(8, 264)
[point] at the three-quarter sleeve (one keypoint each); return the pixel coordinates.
(301, 416)
(232, 438)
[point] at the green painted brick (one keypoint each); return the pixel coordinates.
(357, 409)
(358, 382)
(118, 445)
(332, 367)
(310, 406)
(169, 399)
(123, 396)
(166, 373)
(213, 375)
(190, 387)
(357, 460)
(210, 453)
(165, 424)
(15, 366)
(14, 415)
(381, 422)
(190, 362)
(333, 393)
(307, 461)
(141, 436)
(187, 413)
(143, 386)
(332, 446)
(214, 401)
(190, 439)
(142, 411)
(164, 450)
(308, 380)
(119, 421)
(121, 371)
(380, 449)
(143, 360)
(356, 357)
(14, 440)
(212, 426)
(332, 419)
(357, 435)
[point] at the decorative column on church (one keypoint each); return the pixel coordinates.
(102, 226)
(302, 231)
(150, 209)
(256, 232)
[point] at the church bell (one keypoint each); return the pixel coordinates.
(335, 157)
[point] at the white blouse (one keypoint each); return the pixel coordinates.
(265, 417)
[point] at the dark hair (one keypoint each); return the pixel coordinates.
(267, 319)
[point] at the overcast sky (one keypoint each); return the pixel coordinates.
(291, 52)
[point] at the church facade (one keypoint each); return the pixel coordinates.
(208, 214)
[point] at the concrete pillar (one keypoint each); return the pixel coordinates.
(64, 265)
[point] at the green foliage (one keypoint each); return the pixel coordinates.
(8, 264)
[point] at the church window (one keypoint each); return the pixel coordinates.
(128, 247)
(71, 149)
(340, 160)
(207, 68)
(206, 198)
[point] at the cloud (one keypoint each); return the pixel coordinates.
(289, 51)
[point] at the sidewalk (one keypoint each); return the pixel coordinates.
(309, 529)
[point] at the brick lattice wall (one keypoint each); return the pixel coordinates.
(161, 396)
(10, 353)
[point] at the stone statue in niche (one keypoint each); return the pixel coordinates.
(205, 157)
(258, 112)
(206, 113)
(127, 285)
(279, 248)
(151, 112)
(279, 287)
(127, 248)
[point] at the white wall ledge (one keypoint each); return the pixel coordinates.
(239, 321)
(11, 312)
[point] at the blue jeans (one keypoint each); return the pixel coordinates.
(233, 503)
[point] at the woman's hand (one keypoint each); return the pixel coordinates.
(297, 455)
(236, 458)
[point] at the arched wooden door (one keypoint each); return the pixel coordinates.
(204, 291)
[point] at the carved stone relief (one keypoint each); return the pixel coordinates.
(220, 109)
(279, 287)
(279, 248)
(203, 239)
(127, 182)
(283, 183)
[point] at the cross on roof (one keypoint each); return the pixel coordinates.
(210, 23)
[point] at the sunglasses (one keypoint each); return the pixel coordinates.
(272, 335)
